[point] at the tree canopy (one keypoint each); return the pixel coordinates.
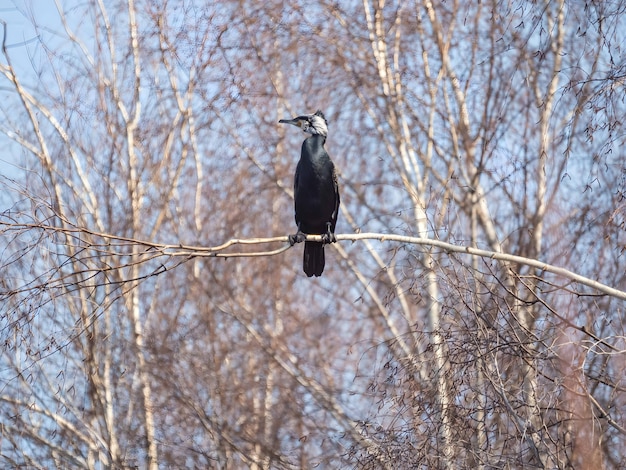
(470, 314)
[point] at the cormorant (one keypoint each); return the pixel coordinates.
(316, 193)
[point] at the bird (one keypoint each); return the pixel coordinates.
(316, 192)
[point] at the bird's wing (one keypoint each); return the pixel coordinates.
(336, 211)
(296, 185)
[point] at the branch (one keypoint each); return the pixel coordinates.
(218, 251)
(448, 247)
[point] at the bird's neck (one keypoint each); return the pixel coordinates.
(313, 148)
(317, 138)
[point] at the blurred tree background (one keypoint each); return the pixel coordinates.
(489, 124)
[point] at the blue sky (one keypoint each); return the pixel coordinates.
(23, 42)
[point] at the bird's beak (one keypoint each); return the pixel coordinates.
(293, 122)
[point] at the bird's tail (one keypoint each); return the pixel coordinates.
(313, 262)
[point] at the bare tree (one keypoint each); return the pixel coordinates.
(473, 322)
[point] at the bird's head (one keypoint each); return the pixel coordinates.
(314, 124)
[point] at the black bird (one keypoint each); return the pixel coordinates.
(316, 193)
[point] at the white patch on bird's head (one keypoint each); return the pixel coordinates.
(317, 124)
(314, 124)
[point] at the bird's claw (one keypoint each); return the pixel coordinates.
(297, 238)
(329, 236)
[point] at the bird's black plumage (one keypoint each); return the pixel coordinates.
(316, 192)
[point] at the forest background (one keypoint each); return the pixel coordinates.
(471, 314)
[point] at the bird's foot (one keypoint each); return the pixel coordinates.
(329, 236)
(297, 238)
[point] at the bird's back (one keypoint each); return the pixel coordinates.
(315, 187)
